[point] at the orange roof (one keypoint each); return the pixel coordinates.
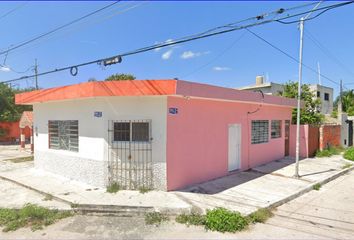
(148, 88)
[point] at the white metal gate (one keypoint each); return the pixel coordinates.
(130, 154)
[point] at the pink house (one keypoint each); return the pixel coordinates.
(161, 134)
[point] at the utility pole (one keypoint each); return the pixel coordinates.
(36, 72)
(301, 27)
(319, 73)
(340, 108)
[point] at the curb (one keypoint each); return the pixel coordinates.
(309, 188)
(129, 211)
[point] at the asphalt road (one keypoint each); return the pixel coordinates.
(324, 214)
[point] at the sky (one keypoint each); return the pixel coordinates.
(231, 60)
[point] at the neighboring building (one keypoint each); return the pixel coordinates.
(325, 94)
(269, 88)
(165, 134)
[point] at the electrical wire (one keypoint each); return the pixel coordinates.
(326, 51)
(291, 57)
(82, 25)
(58, 28)
(216, 57)
(13, 10)
(187, 39)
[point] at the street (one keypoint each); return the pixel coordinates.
(327, 213)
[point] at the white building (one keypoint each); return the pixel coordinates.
(325, 94)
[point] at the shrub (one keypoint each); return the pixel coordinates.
(223, 220)
(260, 216)
(349, 154)
(155, 218)
(113, 187)
(316, 187)
(30, 215)
(191, 219)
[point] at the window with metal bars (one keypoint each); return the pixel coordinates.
(276, 129)
(260, 131)
(136, 131)
(64, 135)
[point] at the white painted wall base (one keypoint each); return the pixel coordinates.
(89, 171)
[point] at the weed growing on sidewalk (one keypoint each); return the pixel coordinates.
(48, 197)
(144, 189)
(316, 187)
(349, 154)
(347, 165)
(330, 151)
(260, 216)
(223, 220)
(113, 187)
(30, 216)
(155, 218)
(191, 219)
(21, 159)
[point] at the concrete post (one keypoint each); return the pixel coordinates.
(22, 138)
(32, 143)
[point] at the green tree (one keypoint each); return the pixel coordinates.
(120, 77)
(310, 113)
(9, 111)
(347, 102)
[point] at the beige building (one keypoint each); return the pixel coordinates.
(325, 94)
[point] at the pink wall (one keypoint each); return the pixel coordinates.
(197, 138)
(304, 133)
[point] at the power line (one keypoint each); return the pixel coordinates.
(327, 52)
(13, 10)
(291, 57)
(84, 24)
(58, 28)
(74, 68)
(216, 57)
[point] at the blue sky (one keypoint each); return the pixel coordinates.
(131, 25)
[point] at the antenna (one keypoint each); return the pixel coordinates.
(319, 73)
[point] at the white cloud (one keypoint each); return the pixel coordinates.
(190, 54)
(221, 68)
(5, 69)
(167, 55)
(167, 41)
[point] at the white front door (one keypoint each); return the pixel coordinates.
(234, 147)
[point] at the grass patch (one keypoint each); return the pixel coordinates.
(30, 215)
(347, 165)
(260, 216)
(21, 159)
(144, 189)
(113, 187)
(349, 154)
(223, 220)
(155, 218)
(48, 197)
(330, 151)
(191, 219)
(317, 186)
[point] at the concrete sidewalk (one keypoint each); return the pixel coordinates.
(264, 186)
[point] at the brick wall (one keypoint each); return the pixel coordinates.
(330, 136)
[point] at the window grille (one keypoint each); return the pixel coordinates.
(276, 128)
(260, 131)
(64, 135)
